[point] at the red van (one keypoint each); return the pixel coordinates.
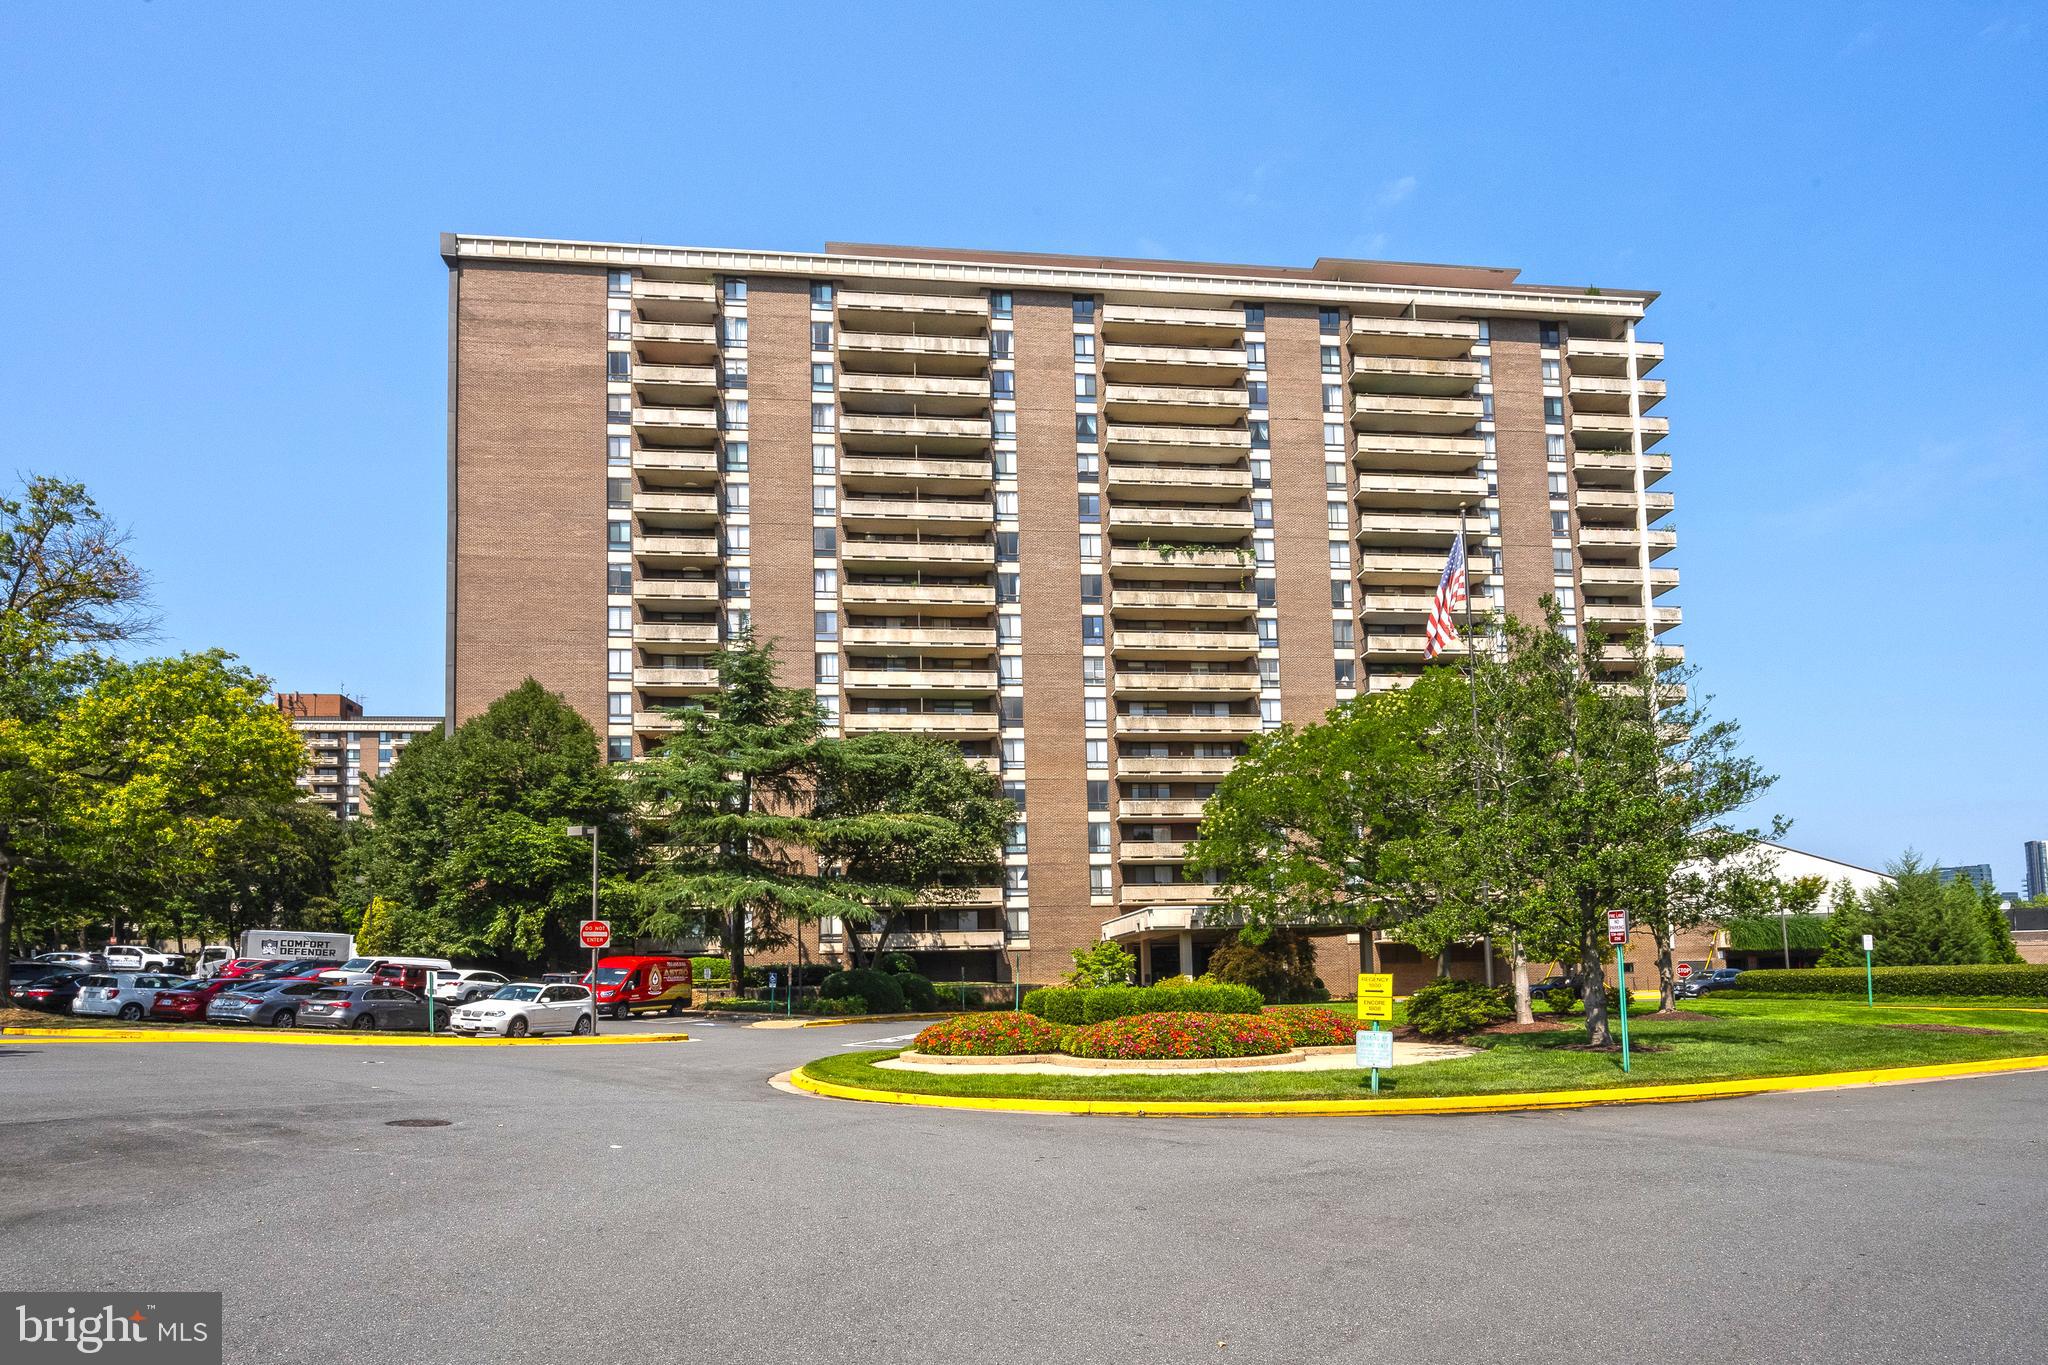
(625, 984)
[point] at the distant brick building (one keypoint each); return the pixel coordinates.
(350, 749)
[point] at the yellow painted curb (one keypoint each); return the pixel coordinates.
(1447, 1104)
(340, 1039)
(876, 1019)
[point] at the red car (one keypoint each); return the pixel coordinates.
(245, 966)
(187, 1001)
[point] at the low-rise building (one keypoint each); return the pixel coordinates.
(349, 748)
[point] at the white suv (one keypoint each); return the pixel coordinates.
(524, 1007)
(122, 995)
(127, 957)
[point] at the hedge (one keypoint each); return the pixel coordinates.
(882, 992)
(1972, 980)
(1808, 933)
(1095, 1005)
(1008, 1034)
(706, 971)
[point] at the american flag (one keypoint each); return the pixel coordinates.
(1442, 631)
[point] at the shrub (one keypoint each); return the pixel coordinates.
(1106, 964)
(1281, 969)
(841, 1004)
(895, 964)
(1057, 1004)
(1207, 998)
(918, 992)
(1314, 1028)
(1008, 1033)
(1114, 1002)
(878, 989)
(709, 971)
(1450, 1009)
(1159, 1036)
(2031, 981)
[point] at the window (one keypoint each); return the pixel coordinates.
(618, 664)
(824, 582)
(1016, 877)
(1553, 446)
(1267, 591)
(1553, 409)
(1013, 753)
(1340, 594)
(828, 709)
(824, 540)
(1551, 372)
(618, 450)
(1008, 586)
(618, 492)
(1333, 399)
(1098, 794)
(821, 416)
(1561, 561)
(1098, 837)
(735, 291)
(821, 336)
(821, 376)
(1262, 472)
(618, 578)
(1560, 523)
(735, 414)
(1091, 507)
(1095, 710)
(738, 538)
(1269, 672)
(1005, 463)
(1557, 486)
(825, 625)
(1014, 842)
(1262, 511)
(1091, 588)
(1098, 881)
(1269, 633)
(734, 332)
(1002, 384)
(1095, 753)
(619, 748)
(1335, 514)
(1084, 347)
(1333, 436)
(735, 456)
(1255, 355)
(618, 407)
(821, 294)
(824, 500)
(1340, 555)
(1091, 630)
(1262, 434)
(1347, 673)
(618, 282)
(1332, 360)
(1009, 711)
(619, 535)
(1013, 792)
(739, 581)
(1548, 335)
(1084, 387)
(1269, 712)
(1327, 321)
(1255, 317)
(1262, 550)
(1087, 466)
(1340, 635)
(620, 705)
(824, 459)
(620, 325)
(732, 373)
(1485, 330)
(999, 305)
(1006, 545)
(1003, 426)
(736, 496)
(1333, 474)
(1255, 392)
(999, 344)
(1091, 546)
(1092, 669)
(618, 365)
(1084, 310)
(1006, 505)
(1010, 669)
(1009, 628)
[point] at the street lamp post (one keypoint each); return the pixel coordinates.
(590, 832)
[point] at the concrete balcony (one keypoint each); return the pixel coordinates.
(1422, 338)
(1396, 648)
(1218, 686)
(1181, 523)
(1193, 602)
(1213, 445)
(675, 426)
(1599, 393)
(1390, 682)
(938, 681)
(1625, 579)
(674, 343)
(1415, 567)
(1227, 564)
(927, 435)
(1152, 851)
(665, 590)
(1409, 528)
(1620, 657)
(1436, 454)
(1188, 725)
(1381, 489)
(675, 632)
(1624, 538)
(918, 594)
(1411, 413)
(1161, 808)
(676, 464)
(681, 506)
(1612, 503)
(1618, 619)
(1168, 893)
(913, 553)
(889, 354)
(1190, 766)
(928, 395)
(1591, 355)
(909, 473)
(937, 724)
(665, 551)
(954, 314)
(1196, 482)
(1403, 608)
(655, 722)
(698, 297)
(1147, 404)
(930, 639)
(684, 384)
(1145, 324)
(1617, 468)
(1400, 374)
(1173, 364)
(932, 512)
(675, 679)
(943, 940)
(1606, 431)
(1166, 644)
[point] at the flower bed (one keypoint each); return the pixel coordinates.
(1005, 1034)
(1315, 1028)
(1184, 1035)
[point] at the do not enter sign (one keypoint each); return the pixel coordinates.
(596, 933)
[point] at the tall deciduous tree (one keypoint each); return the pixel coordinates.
(466, 839)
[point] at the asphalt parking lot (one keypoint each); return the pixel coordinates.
(662, 1202)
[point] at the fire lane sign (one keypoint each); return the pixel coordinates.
(1617, 926)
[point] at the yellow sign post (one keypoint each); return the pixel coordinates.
(1375, 1002)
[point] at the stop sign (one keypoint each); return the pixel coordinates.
(596, 933)
(1684, 970)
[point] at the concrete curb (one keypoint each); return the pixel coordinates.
(1448, 1104)
(295, 1036)
(836, 1021)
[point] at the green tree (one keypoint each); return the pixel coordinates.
(466, 837)
(1103, 963)
(753, 819)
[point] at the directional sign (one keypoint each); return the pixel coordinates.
(1375, 1048)
(1684, 971)
(1617, 926)
(1375, 995)
(595, 933)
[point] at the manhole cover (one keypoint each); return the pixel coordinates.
(416, 1123)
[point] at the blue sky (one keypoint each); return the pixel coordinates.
(224, 310)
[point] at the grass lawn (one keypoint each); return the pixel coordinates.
(1745, 1038)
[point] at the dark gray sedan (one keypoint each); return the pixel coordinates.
(363, 1007)
(274, 1004)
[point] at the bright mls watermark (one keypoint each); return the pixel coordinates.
(165, 1329)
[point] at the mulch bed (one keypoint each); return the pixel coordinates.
(1945, 1028)
(1534, 1026)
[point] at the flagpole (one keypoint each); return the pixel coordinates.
(1472, 691)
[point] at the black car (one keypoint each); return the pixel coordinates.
(1703, 983)
(53, 993)
(28, 973)
(1539, 990)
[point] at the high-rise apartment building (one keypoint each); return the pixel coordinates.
(2037, 869)
(349, 749)
(1098, 521)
